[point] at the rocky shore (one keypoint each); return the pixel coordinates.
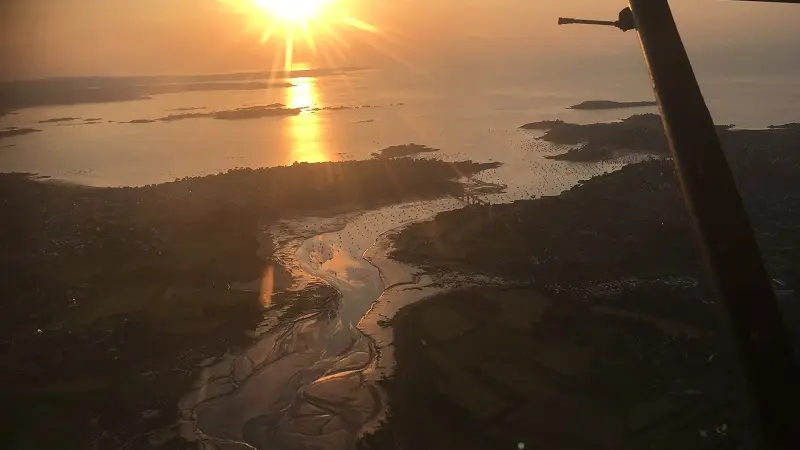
(115, 296)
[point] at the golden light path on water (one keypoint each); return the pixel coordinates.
(304, 130)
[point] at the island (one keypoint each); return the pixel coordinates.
(59, 119)
(256, 112)
(609, 104)
(135, 121)
(188, 108)
(14, 131)
(246, 112)
(396, 151)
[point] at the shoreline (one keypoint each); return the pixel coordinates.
(569, 265)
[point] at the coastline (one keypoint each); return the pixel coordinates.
(617, 291)
(570, 264)
(183, 243)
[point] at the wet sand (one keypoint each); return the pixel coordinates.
(314, 379)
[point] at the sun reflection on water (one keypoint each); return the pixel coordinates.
(305, 129)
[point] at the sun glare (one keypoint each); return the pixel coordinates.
(305, 129)
(298, 21)
(298, 11)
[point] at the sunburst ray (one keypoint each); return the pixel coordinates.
(299, 21)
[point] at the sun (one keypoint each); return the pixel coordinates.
(295, 21)
(297, 11)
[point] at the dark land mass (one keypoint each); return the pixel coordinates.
(787, 126)
(336, 108)
(189, 108)
(14, 131)
(219, 86)
(248, 112)
(344, 107)
(484, 369)
(59, 119)
(396, 151)
(28, 98)
(543, 125)
(93, 119)
(186, 79)
(184, 116)
(608, 104)
(141, 121)
(33, 94)
(641, 133)
(75, 90)
(614, 343)
(256, 112)
(114, 296)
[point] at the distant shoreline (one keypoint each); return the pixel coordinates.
(14, 131)
(609, 104)
(21, 94)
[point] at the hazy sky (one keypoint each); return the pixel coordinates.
(41, 38)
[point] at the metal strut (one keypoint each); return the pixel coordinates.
(741, 281)
(624, 23)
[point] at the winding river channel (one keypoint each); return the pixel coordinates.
(311, 382)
